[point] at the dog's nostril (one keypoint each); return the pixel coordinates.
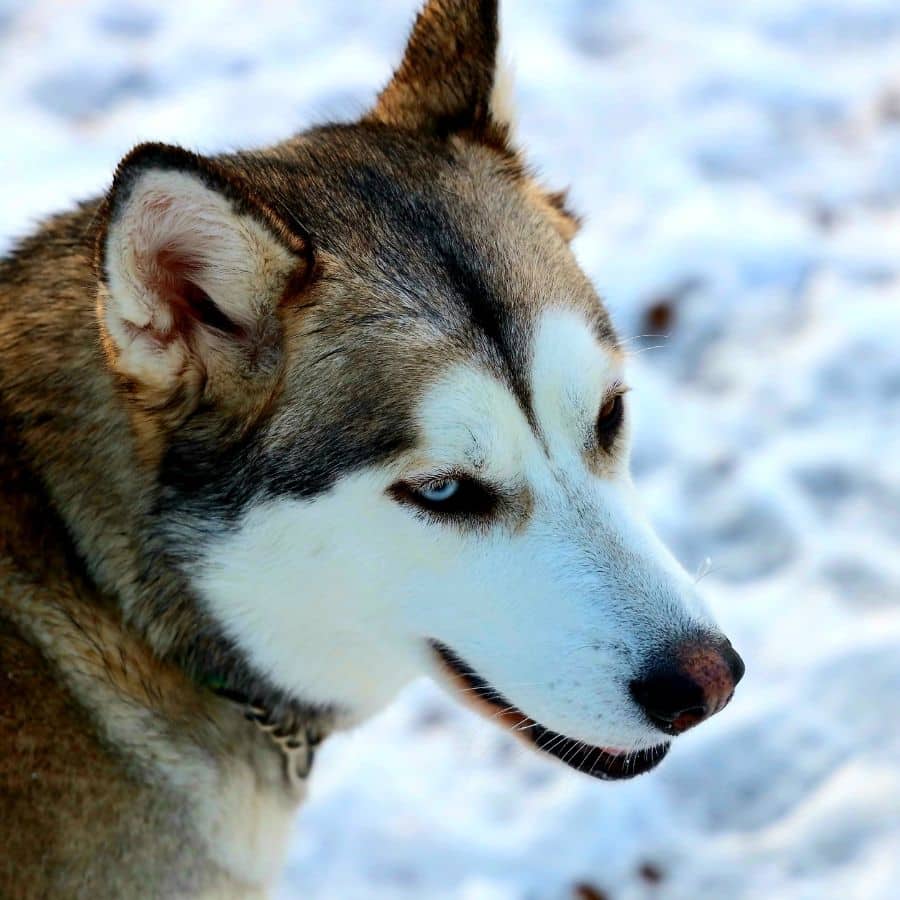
(671, 701)
(697, 683)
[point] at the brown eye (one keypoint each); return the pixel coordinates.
(609, 421)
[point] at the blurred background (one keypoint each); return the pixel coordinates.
(738, 166)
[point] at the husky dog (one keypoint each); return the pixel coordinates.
(282, 430)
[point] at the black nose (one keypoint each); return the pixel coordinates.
(694, 683)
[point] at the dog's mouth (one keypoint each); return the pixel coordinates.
(608, 763)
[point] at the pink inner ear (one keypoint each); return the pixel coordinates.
(175, 281)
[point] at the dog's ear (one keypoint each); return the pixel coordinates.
(192, 270)
(448, 81)
(451, 82)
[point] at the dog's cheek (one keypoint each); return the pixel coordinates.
(313, 592)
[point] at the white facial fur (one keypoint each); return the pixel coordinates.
(336, 598)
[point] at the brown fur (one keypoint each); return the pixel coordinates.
(120, 771)
(89, 716)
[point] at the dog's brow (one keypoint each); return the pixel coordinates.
(571, 373)
(471, 416)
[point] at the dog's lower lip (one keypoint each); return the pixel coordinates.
(607, 763)
(599, 762)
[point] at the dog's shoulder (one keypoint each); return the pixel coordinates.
(109, 780)
(61, 788)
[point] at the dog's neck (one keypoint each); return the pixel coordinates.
(60, 401)
(66, 418)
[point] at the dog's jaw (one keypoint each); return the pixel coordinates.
(605, 763)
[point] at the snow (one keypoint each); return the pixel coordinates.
(739, 167)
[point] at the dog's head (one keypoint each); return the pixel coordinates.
(386, 416)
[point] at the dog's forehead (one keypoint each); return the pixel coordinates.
(444, 232)
(441, 240)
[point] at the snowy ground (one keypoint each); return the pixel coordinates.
(739, 166)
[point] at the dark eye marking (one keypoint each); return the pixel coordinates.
(610, 418)
(450, 496)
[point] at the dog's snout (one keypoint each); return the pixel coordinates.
(694, 684)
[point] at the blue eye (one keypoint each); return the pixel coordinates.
(447, 497)
(439, 491)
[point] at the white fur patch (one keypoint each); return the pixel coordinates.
(308, 589)
(245, 824)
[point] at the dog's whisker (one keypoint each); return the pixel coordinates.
(525, 724)
(643, 337)
(707, 568)
(630, 352)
